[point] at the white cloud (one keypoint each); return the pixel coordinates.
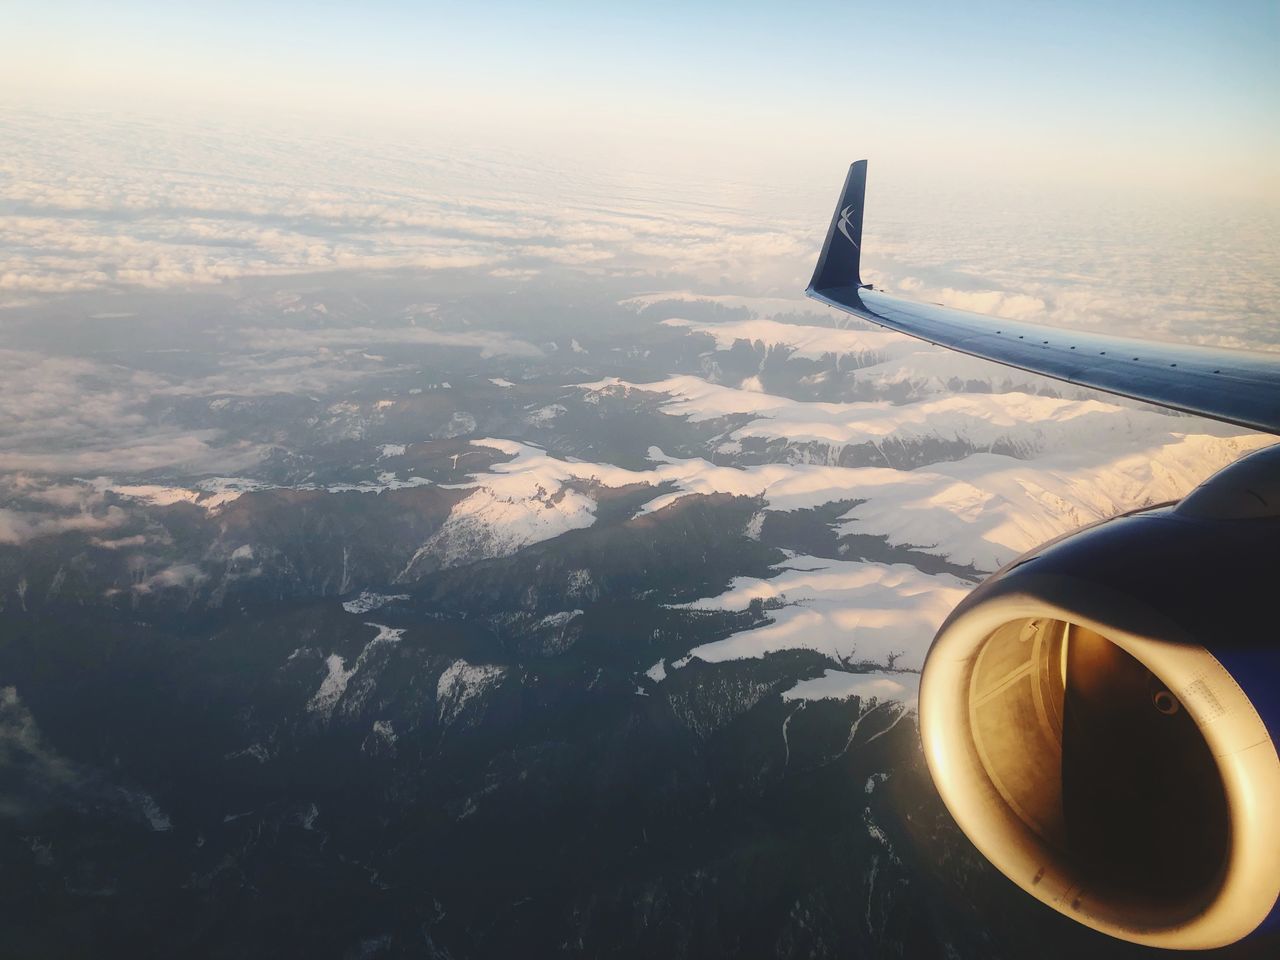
(18, 527)
(178, 203)
(294, 339)
(179, 576)
(68, 415)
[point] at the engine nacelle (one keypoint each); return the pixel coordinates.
(1100, 717)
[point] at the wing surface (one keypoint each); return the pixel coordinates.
(1233, 386)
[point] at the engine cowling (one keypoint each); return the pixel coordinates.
(1100, 717)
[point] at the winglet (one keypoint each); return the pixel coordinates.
(838, 264)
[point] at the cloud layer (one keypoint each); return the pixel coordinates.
(95, 204)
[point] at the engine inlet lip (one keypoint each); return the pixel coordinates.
(1195, 680)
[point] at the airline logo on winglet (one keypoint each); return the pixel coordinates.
(845, 226)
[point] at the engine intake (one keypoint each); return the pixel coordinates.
(1099, 718)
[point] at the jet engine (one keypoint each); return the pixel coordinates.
(1101, 715)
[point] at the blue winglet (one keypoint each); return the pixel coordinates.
(838, 266)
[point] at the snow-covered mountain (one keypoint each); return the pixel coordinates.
(500, 636)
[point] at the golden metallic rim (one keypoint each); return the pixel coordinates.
(1236, 736)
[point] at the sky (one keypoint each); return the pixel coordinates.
(1107, 165)
(1163, 95)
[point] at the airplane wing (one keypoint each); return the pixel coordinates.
(1233, 386)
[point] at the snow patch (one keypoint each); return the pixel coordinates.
(334, 686)
(554, 620)
(1020, 422)
(309, 816)
(211, 494)
(544, 415)
(463, 684)
(254, 751)
(460, 424)
(368, 600)
(851, 611)
(1092, 462)
(156, 818)
(578, 584)
(807, 342)
(215, 493)
(882, 686)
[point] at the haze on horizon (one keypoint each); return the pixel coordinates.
(1175, 96)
